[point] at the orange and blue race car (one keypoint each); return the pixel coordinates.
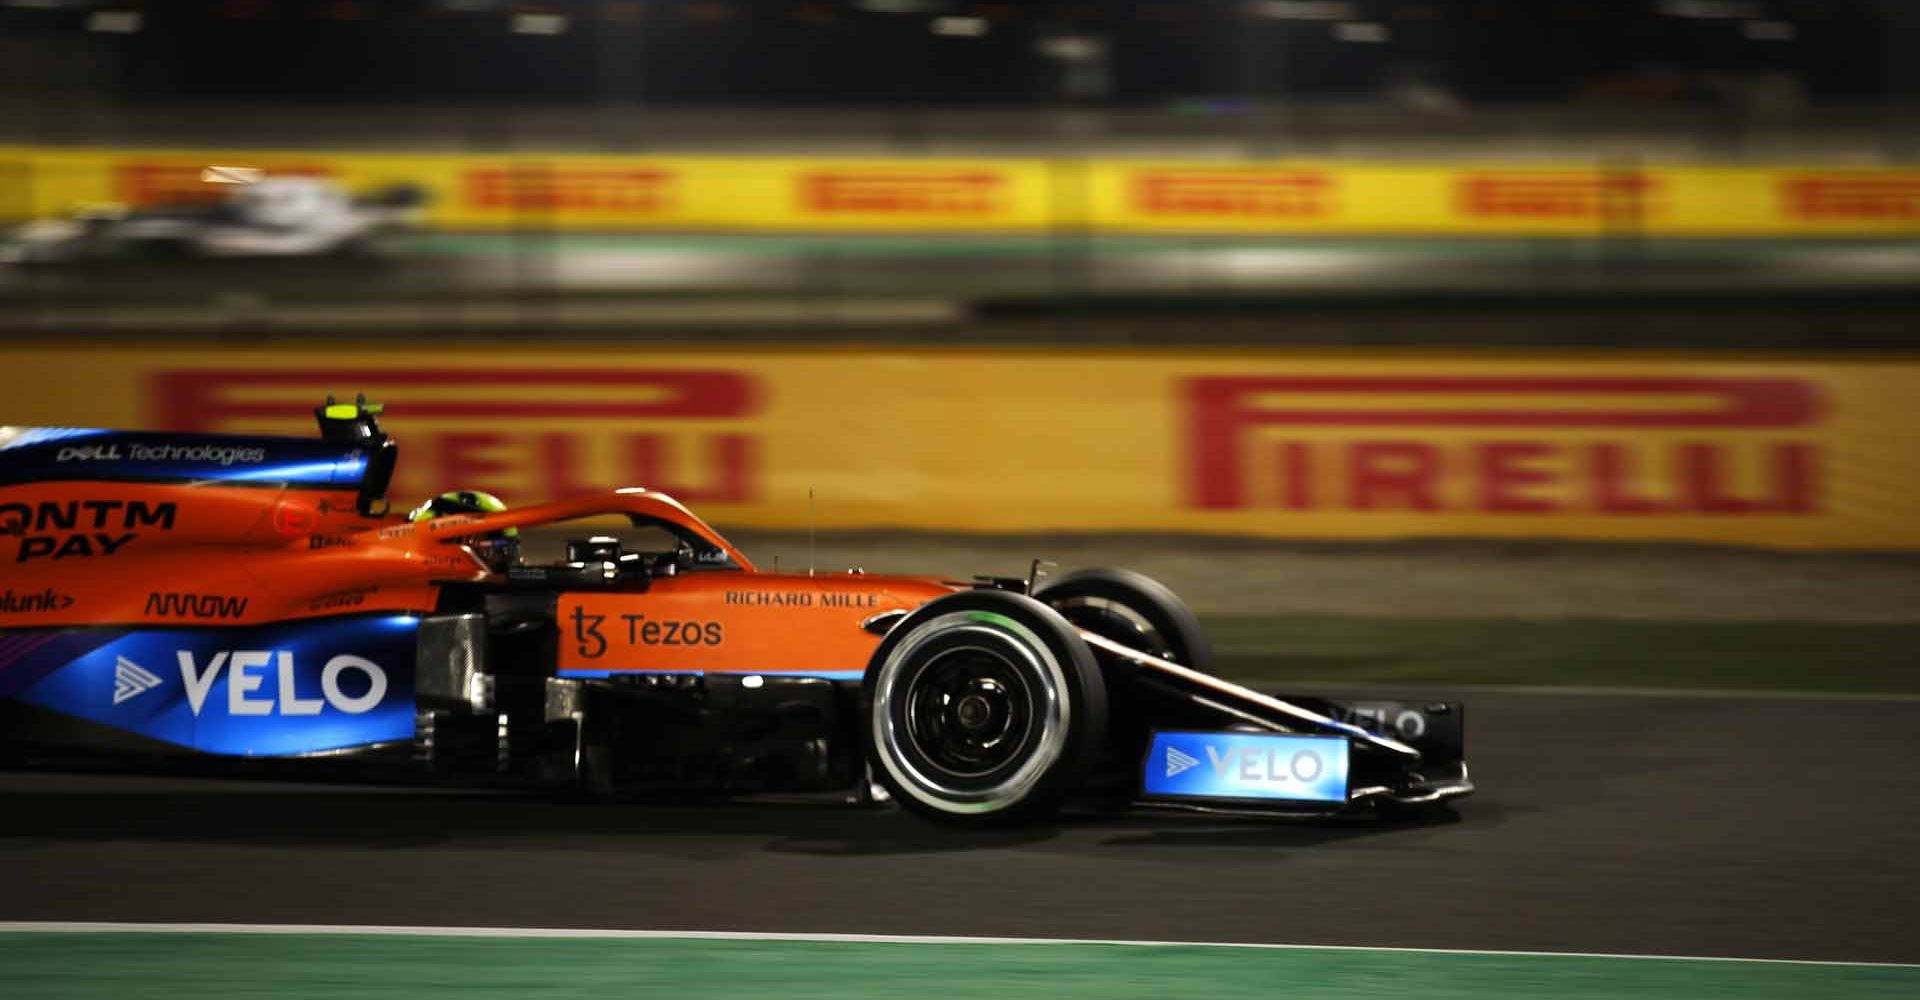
(176, 597)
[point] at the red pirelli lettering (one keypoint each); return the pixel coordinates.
(142, 184)
(1235, 193)
(958, 192)
(1573, 196)
(1852, 199)
(579, 189)
(1385, 469)
(625, 424)
(206, 400)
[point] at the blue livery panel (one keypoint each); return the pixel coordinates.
(50, 454)
(271, 691)
(1268, 766)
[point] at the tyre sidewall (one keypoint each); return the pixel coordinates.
(1060, 661)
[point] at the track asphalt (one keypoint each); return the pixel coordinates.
(1742, 827)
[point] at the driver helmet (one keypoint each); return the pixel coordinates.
(500, 548)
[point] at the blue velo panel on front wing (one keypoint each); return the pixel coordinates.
(1193, 765)
(295, 688)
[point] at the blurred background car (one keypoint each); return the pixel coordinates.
(259, 217)
(995, 156)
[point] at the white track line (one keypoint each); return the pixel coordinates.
(377, 930)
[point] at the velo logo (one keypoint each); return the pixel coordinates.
(1179, 762)
(131, 680)
(1247, 766)
(247, 682)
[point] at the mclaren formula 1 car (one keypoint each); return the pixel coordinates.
(174, 596)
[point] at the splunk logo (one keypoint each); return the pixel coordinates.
(33, 601)
(1247, 765)
(351, 684)
(1526, 445)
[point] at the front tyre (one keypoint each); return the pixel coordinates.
(984, 707)
(1141, 614)
(1133, 610)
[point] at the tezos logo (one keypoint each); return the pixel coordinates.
(246, 673)
(641, 631)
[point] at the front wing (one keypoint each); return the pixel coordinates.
(1218, 746)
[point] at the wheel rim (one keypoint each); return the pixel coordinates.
(970, 712)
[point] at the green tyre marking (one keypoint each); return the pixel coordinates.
(997, 619)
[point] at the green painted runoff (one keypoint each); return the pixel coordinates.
(227, 966)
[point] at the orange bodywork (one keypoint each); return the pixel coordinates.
(92, 554)
(155, 554)
(734, 623)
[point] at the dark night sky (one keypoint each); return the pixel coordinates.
(834, 51)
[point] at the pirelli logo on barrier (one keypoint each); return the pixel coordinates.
(143, 184)
(1843, 198)
(584, 191)
(951, 193)
(1621, 446)
(1281, 194)
(622, 189)
(1799, 451)
(524, 433)
(1570, 196)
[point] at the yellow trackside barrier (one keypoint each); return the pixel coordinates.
(788, 194)
(1300, 444)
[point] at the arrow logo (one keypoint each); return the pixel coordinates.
(131, 680)
(1179, 763)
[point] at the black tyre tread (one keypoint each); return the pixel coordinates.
(1152, 599)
